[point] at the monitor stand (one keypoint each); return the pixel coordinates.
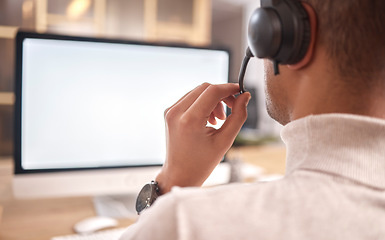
(116, 206)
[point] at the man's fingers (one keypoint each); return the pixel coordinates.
(238, 116)
(209, 99)
(212, 119)
(188, 98)
(229, 101)
(219, 111)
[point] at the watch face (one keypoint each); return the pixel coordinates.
(144, 198)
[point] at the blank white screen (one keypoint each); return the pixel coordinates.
(88, 104)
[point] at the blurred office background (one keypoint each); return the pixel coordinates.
(221, 23)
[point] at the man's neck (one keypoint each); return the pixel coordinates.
(325, 93)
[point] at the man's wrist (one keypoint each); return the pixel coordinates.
(162, 184)
(166, 183)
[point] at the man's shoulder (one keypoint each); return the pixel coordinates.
(263, 210)
(294, 184)
(312, 194)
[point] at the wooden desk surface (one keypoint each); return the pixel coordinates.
(270, 157)
(45, 218)
(41, 219)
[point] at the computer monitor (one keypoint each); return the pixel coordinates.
(89, 111)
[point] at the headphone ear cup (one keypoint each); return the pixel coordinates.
(280, 31)
(265, 33)
(305, 34)
(305, 43)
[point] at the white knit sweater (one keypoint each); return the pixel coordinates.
(334, 188)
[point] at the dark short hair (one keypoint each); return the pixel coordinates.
(353, 33)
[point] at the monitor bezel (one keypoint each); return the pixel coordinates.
(20, 37)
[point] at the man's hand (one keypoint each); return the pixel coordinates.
(193, 149)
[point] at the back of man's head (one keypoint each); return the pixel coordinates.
(353, 34)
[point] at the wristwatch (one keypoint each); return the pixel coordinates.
(147, 196)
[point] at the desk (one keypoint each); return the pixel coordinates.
(41, 219)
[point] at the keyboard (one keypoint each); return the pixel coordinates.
(113, 234)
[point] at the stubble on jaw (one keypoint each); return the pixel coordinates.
(275, 96)
(276, 112)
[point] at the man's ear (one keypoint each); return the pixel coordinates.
(313, 34)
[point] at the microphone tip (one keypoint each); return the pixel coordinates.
(249, 53)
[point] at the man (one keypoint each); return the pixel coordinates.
(332, 103)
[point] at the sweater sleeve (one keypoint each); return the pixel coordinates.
(157, 222)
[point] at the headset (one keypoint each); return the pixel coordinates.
(280, 31)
